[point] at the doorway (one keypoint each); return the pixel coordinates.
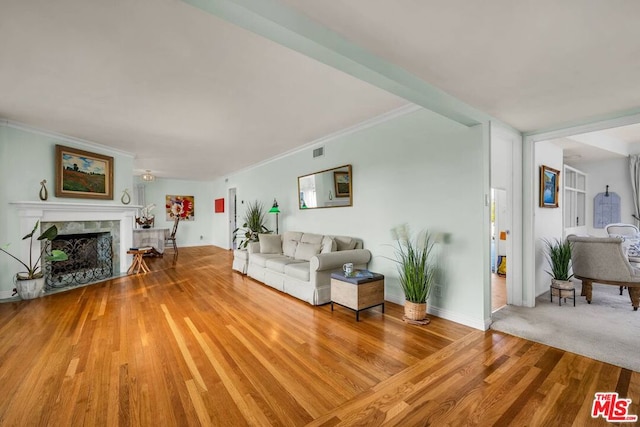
(506, 217)
(499, 259)
(233, 218)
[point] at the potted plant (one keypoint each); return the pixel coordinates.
(30, 283)
(253, 224)
(559, 258)
(416, 268)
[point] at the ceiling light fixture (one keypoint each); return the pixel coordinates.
(147, 176)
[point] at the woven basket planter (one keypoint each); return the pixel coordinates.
(566, 288)
(414, 311)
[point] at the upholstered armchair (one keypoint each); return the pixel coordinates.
(603, 260)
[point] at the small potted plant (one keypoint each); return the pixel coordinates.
(558, 254)
(30, 283)
(416, 268)
(253, 224)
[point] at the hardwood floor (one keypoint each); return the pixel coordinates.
(498, 291)
(197, 344)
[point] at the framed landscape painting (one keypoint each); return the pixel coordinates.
(342, 184)
(82, 174)
(549, 187)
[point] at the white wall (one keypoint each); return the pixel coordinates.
(27, 157)
(190, 233)
(615, 174)
(547, 221)
(420, 169)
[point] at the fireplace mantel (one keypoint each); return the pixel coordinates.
(65, 206)
(29, 212)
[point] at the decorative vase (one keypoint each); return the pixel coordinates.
(146, 226)
(415, 311)
(30, 288)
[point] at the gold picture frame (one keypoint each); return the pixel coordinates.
(342, 184)
(549, 187)
(83, 175)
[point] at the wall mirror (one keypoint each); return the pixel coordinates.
(329, 188)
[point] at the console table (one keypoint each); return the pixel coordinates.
(154, 237)
(361, 291)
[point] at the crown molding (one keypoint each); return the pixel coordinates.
(65, 138)
(374, 121)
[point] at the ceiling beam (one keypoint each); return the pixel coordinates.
(286, 27)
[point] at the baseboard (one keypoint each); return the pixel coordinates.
(4, 295)
(443, 313)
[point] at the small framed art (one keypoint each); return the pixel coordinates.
(549, 187)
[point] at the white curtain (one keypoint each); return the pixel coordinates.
(634, 169)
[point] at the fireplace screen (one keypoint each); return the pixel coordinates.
(90, 260)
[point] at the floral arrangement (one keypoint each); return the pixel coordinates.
(146, 217)
(179, 207)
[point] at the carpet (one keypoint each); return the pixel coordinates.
(607, 329)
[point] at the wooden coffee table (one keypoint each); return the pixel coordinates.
(357, 292)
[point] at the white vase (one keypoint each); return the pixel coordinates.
(31, 288)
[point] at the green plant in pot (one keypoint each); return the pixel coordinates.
(253, 224)
(30, 283)
(417, 270)
(558, 254)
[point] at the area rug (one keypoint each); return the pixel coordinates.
(607, 329)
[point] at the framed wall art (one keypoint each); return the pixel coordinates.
(549, 187)
(182, 206)
(82, 174)
(342, 184)
(219, 205)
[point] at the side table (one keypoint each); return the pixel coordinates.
(361, 291)
(138, 260)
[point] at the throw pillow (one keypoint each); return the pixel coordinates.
(311, 238)
(270, 243)
(345, 243)
(306, 251)
(289, 248)
(328, 245)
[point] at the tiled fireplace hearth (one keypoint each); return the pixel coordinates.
(117, 221)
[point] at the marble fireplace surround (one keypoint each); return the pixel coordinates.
(121, 216)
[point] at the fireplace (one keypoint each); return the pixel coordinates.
(90, 260)
(80, 218)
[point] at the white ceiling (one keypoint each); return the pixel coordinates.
(196, 97)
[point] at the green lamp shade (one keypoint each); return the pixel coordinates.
(275, 208)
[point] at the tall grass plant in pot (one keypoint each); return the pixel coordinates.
(416, 265)
(30, 283)
(558, 253)
(254, 220)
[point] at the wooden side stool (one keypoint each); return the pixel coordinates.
(138, 261)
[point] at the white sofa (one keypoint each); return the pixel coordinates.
(300, 264)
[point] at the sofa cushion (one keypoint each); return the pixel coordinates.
(261, 259)
(292, 235)
(306, 251)
(345, 243)
(298, 271)
(328, 245)
(278, 264)
(289, 247)
(270, 243)
(311, 238)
